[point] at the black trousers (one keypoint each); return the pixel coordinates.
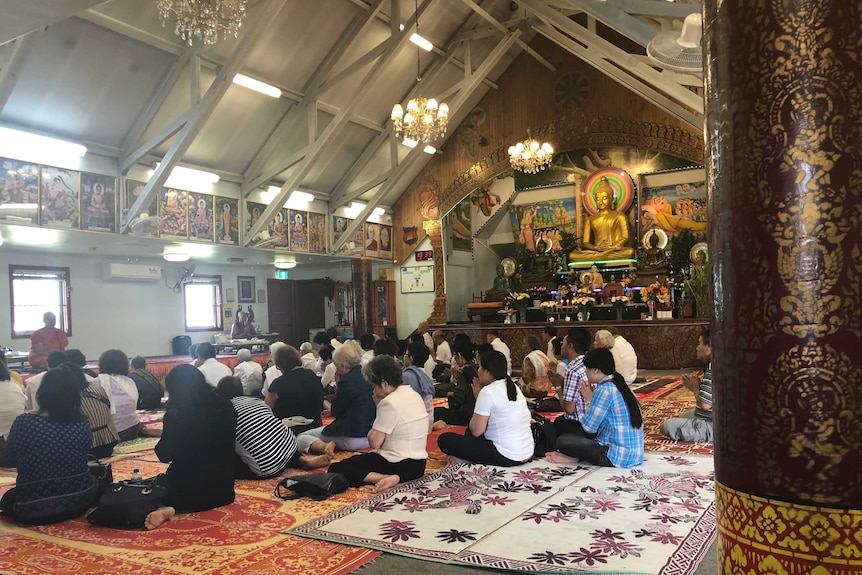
(452, 416)
(357, 468)
(475, 449)
(584, 449)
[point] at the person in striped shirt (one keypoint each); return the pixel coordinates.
(265, 447)
(695, 424)
(613, 415)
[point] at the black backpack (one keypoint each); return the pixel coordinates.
(317, 486)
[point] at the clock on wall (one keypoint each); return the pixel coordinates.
(424, 255)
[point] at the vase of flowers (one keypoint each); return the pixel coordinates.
(619, 303)
(519, 301)
(655, 294)
(548, 307)
(585, 305)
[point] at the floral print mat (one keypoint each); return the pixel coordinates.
(657, 518)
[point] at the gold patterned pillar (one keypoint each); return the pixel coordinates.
(784, 117)
(363, 312)
(435, 232)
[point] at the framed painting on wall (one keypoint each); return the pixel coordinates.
(59, 200)
(316, 233)
(19, 192)
(173, 207)
(298, 228)
(245, 289)
(674, 201)
(227, 222)
(278, 229)
(386, 242)
(133, 191)
(200, 217)
(98, 202)
(372, 240)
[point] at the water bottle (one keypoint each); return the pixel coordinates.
(136, 475)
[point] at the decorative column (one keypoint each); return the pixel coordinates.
(784, 117)
(435, 232)
(363, 313)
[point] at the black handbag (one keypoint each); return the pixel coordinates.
(544, 435)
(102, 472)
(317, 486)
(126, 504)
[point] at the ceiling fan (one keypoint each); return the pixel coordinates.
(187, 274)
(145, 225)
(679, 51)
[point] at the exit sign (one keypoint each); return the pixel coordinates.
(424, 255)
(281, 274)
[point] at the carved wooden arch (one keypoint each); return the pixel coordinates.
(578, 132)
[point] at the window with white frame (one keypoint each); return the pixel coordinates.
(36, 290)
(202, 302)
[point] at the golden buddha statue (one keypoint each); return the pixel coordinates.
(606, 234)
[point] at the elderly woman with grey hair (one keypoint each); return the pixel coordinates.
(352, 407)
(398, 435)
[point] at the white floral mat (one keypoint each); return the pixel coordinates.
(657, 518)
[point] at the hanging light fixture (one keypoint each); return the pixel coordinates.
(530, 156)
(203, 19)
(425, 119)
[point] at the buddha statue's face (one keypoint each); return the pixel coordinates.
(603, 200)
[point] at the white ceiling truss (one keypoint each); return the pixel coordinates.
(306, 129)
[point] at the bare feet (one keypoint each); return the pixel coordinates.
(557, 457)
(159, 516)
(329, 450)
(438, 425)
(314, 461)
(386, 482)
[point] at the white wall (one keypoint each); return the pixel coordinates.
(137, 317)
(412, 308)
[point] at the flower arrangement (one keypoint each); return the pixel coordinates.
(518, 300)
(656, 293)
(620, 302)
(548, 304)
(538, 292)
(585, 303)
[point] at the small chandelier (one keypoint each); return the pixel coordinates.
(203, 19)
(530, 156)
(426, 119)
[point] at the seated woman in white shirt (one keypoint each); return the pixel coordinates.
(398, 435)
(499, 431)
(122, 391)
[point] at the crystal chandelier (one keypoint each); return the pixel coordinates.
(425, 119)
(530, 156)
(203, 19)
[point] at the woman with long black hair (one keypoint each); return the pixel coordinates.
(499, 430)
(198, 438)
(613, 415)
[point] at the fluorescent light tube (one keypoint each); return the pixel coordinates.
(36, 148)
(257, 86)
(302, 197)
(421, 42)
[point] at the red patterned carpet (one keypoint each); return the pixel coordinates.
(247, 537)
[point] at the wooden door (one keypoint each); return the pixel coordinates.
(282, 309)
(311, 306)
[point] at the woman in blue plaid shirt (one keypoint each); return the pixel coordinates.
(613, 415)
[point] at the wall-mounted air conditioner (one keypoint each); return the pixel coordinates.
(130, 272)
